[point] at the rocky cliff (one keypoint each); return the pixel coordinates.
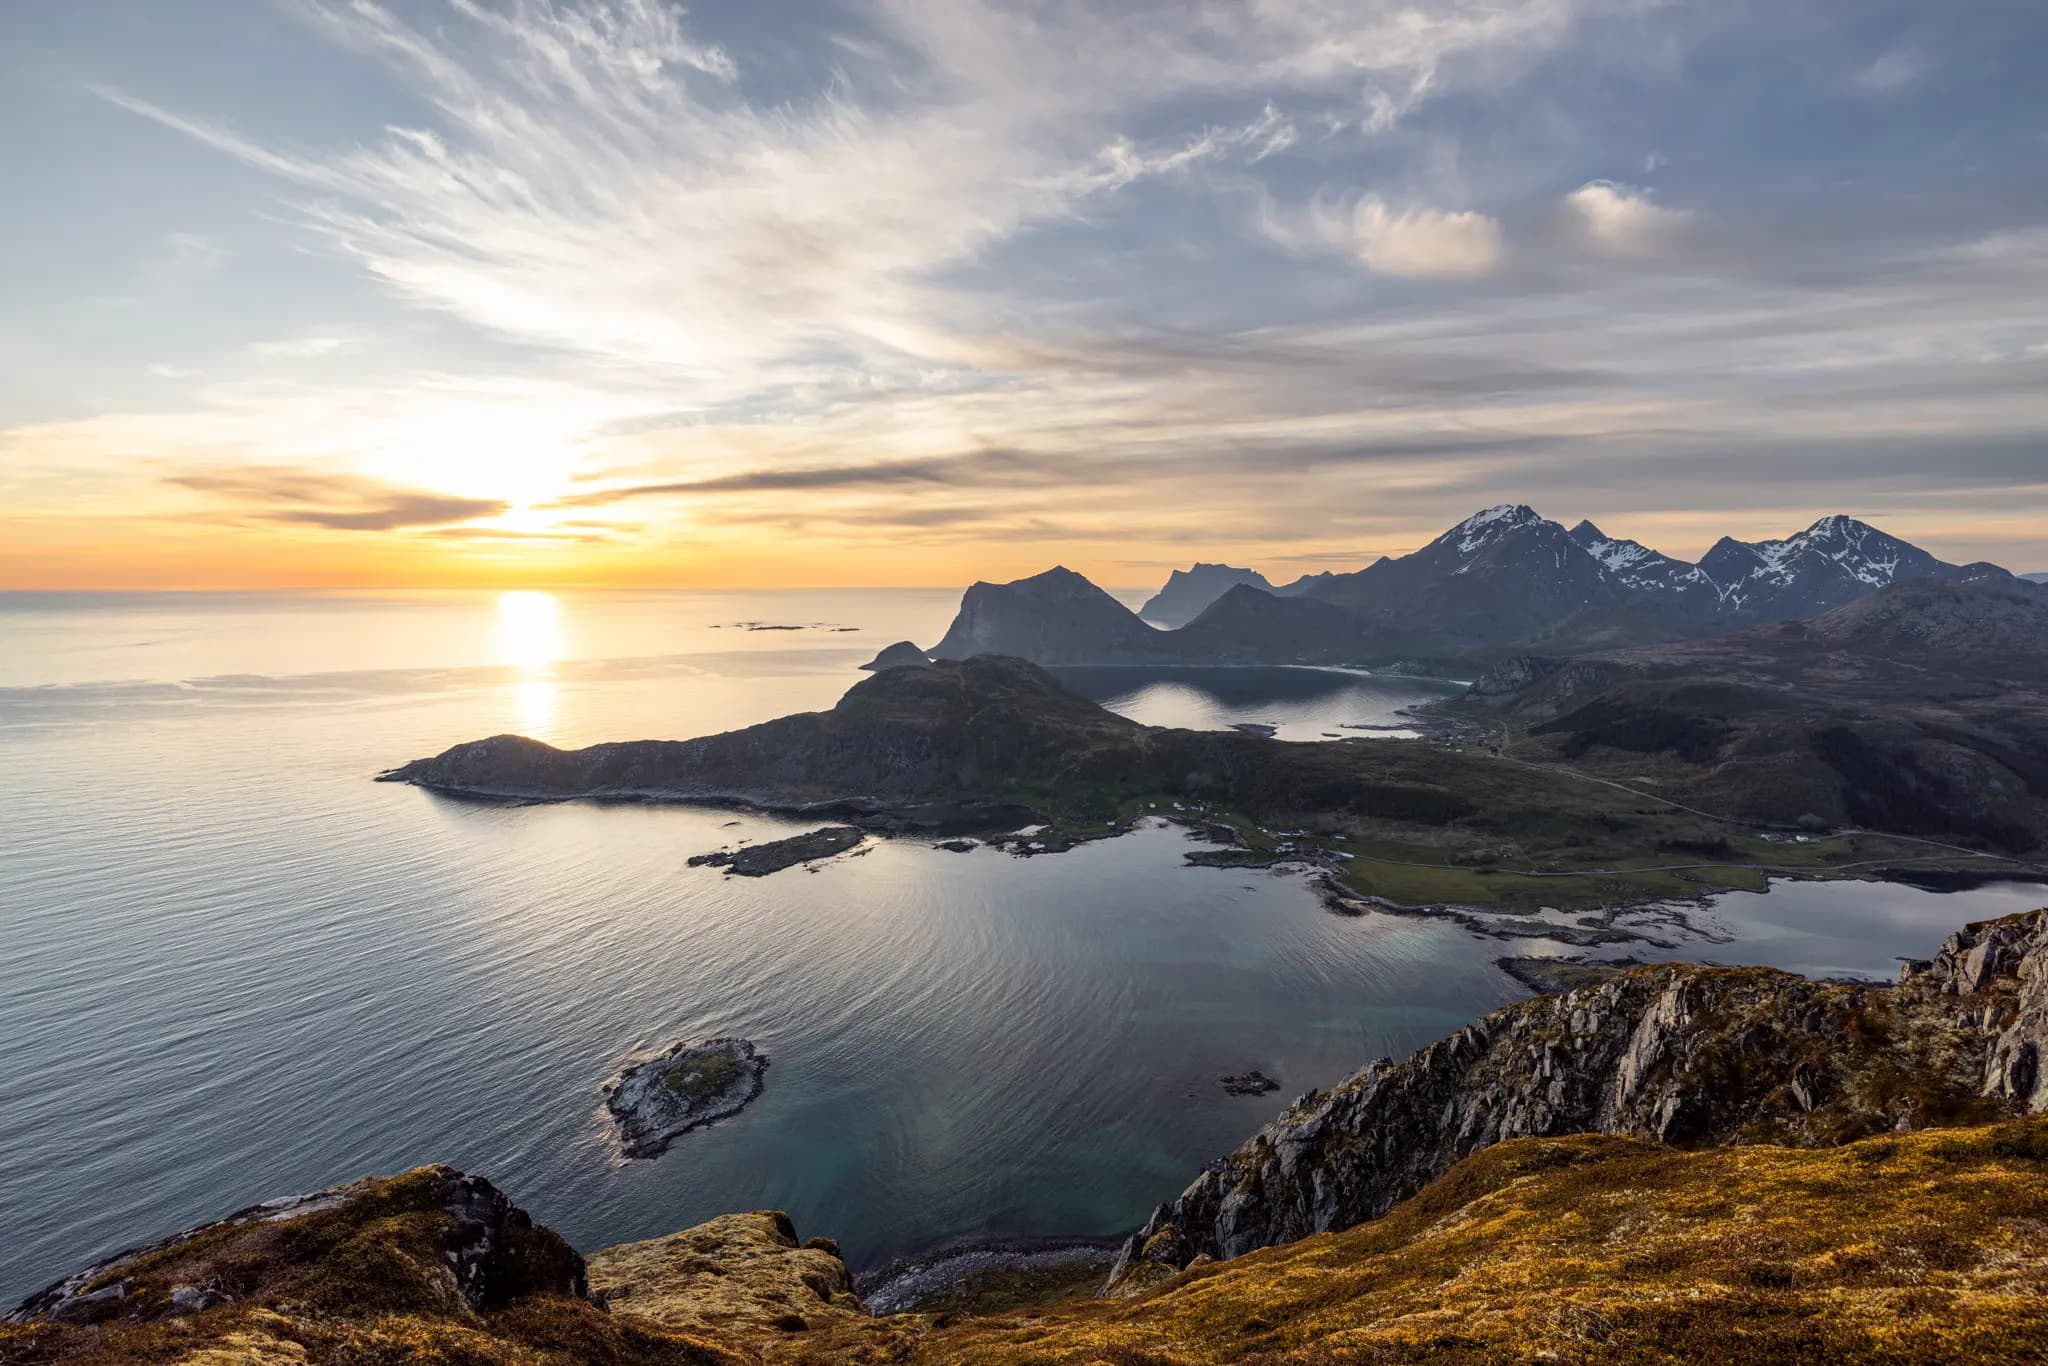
(1687, 1055)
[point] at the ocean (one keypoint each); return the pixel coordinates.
(233, 967)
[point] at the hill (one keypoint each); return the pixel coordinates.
(1921, 709)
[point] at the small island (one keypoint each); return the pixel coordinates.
(684, 1087)
(1251, 1083)
(759, 860)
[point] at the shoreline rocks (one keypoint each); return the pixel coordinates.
(759, 860)
(684, 1087)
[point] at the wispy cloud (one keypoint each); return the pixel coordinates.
(334, 501)
(1049, 273)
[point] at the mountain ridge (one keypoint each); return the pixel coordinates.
(1503, 581)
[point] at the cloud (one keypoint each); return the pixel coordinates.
(979, 468)
(337, 502)
(1622, 220)
(1890, 74)
(1425, 243)
(574, 148)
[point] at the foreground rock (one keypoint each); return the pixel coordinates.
(759, 860)
(685, 1087)
(1680, 1054)
(739, 1276)
(1921, 1247)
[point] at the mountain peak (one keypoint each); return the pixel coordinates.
(1189, 591)
(1836, 526)
(1506, 514)
(1585, 531)
(1486, 525)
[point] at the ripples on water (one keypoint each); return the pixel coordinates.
(233, 967)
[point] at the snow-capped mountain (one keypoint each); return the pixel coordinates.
(1504, 578)
(1642, 568)
(1836, 560)
(1505, 573)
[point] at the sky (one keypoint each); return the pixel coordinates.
(777, 292)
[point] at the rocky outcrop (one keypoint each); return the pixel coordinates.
(1514, 674)
(684, 1087)
(1680, 1054)
(434, 1237)
(738, 1276)
(1973, 965)
(759, 860)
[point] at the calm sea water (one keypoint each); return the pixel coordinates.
(232, 967)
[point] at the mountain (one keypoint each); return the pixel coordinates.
(1304, 584)
(1057, 617)
(1646, 570)
(2036, 578)
(1920, 709)
(1989, 628)
(1248, 626)
(1502, 575)
(1834, 560)
(1504, 582)
(1188, 591)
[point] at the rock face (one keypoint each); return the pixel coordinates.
(1189, 591)
(1686, 1055)
(1514, 674)
(739, 1275)
(685, 1087)
(900, 655)
(455, 1241)
(759, 860)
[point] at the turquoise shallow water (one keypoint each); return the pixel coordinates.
(233, 967)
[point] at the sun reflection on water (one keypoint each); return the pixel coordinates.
(530, 640)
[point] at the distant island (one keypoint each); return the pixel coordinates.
(1901, 731)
